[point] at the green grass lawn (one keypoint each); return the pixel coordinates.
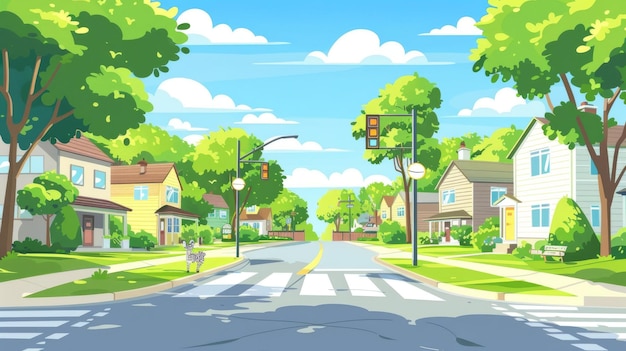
(598, 270)
(28, 265)
(133, 279)
(429, 250)
(474, 279)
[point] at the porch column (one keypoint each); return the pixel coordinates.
(125, 229)
(105, 224)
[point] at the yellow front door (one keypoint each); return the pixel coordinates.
(509, 229)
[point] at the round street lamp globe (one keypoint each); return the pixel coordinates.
(238, 184)
(416, 170)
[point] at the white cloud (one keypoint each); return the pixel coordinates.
(178, 124)
(464, 26)
(264, 118)
(349, 178)
(505, 103)
(193, 139)
(363, 47)
(291, 144)
(202, 31)
(184, 95)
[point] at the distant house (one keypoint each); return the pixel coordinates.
(393, 208)
(469, 190)
(153, 191)
(88, 168)
(545, 171)
(259, 218)
(220, 214)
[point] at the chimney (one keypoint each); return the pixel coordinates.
(463, 152)
(142, 166)
(585, 107)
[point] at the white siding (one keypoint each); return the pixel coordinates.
(542, 189)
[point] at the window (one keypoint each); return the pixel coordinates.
(99, 179)
(4, 164)
(251, 209)
(212, 214)
(77, 173)
(384, 215)
(223, 214)
(540, 215)
(33, 165)
(592, 168)
(595, 215)
(540, 162)
(448, 197)
(400, 211)
(256, 225)
(173, 225)
(171, 194)
(22, 214)
(496, 194)
(141, 192)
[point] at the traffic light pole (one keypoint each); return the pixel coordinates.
(372, 142)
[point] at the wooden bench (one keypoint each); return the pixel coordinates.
(551, 250)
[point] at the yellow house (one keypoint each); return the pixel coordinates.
(153, 191)
(394, 208)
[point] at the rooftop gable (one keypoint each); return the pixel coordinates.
(481, 171)
(84, 147)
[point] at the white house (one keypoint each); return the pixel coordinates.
(544, 171)
(259, 218)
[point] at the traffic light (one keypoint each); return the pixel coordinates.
(265, 171)
(372, 132)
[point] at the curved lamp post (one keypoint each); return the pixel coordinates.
(238, 183)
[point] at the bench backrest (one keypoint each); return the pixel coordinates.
(554, 248)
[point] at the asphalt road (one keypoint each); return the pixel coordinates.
(294, 297)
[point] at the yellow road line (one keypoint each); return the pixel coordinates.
(309, 267)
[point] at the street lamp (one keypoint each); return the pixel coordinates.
(416, 171)
(238, 183)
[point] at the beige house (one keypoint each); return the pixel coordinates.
(393, 208)
(88, 168)
(469, 191)
(259, 218)
(153, 191)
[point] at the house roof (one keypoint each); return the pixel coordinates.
(264, 214)
(155, 173)
(422, 197)
(99, 203)
(506, 196)
(216, 200)
(481, 171)
(84, 147)
(171, 210)
(389, 200)
(460, 214)
(613, 135)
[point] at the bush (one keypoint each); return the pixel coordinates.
(364, 238)
(570, 227)
(189, 233)
(523, 250)
(463, 234)
(206, 233)
(100, 274)
(142, 240)
(485, 238)
(358, 230)
(65, 229)
(248, 234)
(30, 245)
(392, 233)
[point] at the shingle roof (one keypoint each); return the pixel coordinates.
(481, 171)
(171, 210)
(155, 173)
(389, 200)
(460, 214)
(99, 203)
(84, 147)
(265, 213)
(216, 200)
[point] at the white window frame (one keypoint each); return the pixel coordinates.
(543, 157)
(446, 195)
(72, 167)
(140, 188)
(95, 176)
(543, 216)
(499, 189)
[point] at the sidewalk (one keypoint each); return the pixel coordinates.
(586, 293)
(13, 292)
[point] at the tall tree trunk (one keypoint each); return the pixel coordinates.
(8, 212)
(48, 229)
(607, 191)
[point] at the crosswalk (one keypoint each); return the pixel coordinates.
(40, 326)
(313, 284)
(554, 319)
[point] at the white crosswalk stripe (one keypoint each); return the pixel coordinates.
(30, 324)
(312, 284)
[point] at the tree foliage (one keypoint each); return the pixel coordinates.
(65, 230)
(282, 207)
(75, 66)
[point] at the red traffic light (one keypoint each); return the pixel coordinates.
(265, 171)
(372, 131)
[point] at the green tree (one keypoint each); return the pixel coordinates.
(309, 233)
(215, 160)
(576, 45)
(65, 230)
(328, 208)
(570, 227)
(46, 196)
(371, 196)
(283, 206)
(75, 66)
(407, 93)
(348, 211)
(496, 147)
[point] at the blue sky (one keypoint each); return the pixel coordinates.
(307, 68)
